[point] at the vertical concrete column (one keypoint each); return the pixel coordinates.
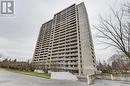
(90, 79)
(86, 41)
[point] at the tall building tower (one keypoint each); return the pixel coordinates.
(65, 43)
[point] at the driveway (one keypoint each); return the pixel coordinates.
(14, 79)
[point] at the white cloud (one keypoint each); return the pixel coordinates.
(18, 34)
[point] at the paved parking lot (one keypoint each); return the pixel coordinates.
(110, 83)
(14, 79)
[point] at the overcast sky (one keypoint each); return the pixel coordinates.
(18, 34)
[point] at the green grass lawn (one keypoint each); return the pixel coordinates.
(42, 75)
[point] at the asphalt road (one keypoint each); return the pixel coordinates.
(110, 83)
(14, 79)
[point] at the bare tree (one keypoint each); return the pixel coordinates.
(115, 29)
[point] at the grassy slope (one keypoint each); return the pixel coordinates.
(42, 75)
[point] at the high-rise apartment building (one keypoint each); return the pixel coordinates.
(65, 43)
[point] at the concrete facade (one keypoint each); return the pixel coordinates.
(65, 43)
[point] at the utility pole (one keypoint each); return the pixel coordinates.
(129, 31)
(129, 39)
